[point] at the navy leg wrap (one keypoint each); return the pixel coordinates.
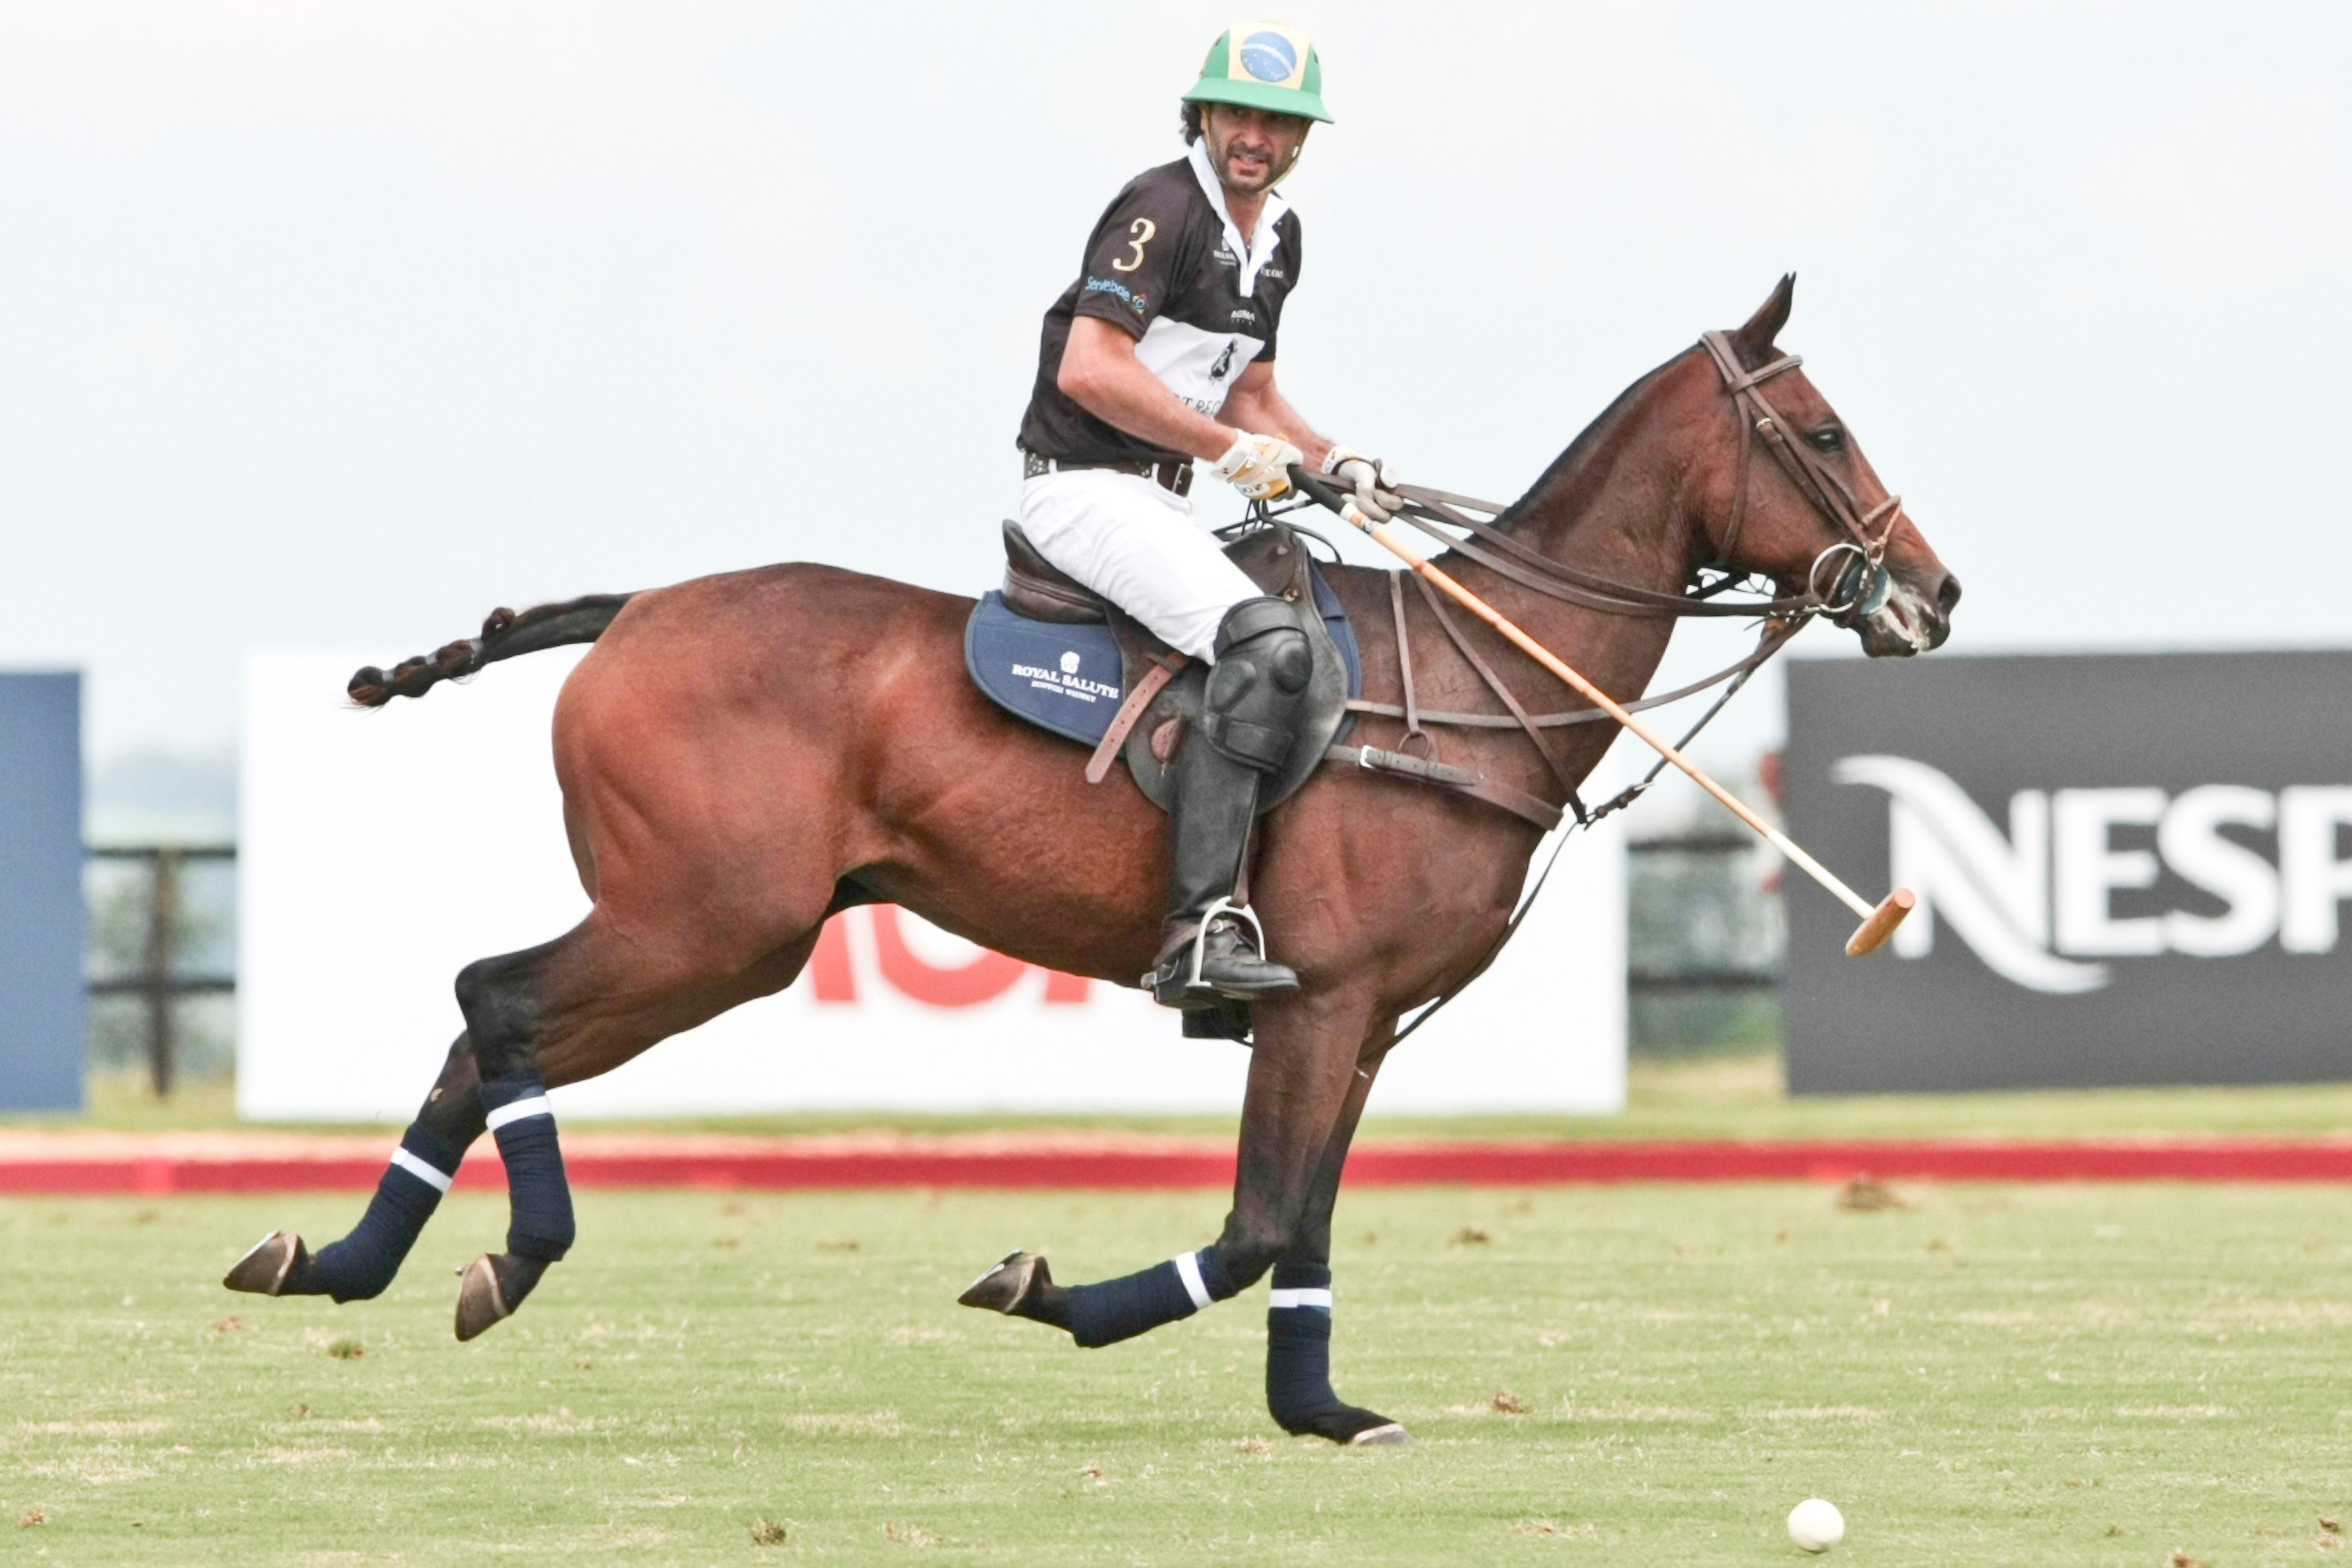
(361, 1264)
(1121, 1308)
(1299, 1347)
(539, 1197)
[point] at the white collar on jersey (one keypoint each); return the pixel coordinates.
(1261, 247)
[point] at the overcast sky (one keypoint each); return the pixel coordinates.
(341, 325)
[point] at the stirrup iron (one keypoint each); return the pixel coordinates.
(1192, 981)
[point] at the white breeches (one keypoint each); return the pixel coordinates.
(1139, 546)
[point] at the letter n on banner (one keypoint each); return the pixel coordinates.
(833, 973)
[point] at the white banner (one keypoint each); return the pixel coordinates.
(381, 852)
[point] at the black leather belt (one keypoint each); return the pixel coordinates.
(1175, 478)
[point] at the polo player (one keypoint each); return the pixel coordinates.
(1159, 355)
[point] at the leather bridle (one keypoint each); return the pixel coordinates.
(1857, 581)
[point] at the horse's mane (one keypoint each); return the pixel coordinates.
(1588, 441)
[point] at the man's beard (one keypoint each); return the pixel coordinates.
(1275, 169)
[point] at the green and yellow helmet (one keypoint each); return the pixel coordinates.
(1262, 65)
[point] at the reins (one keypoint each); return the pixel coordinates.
(1508, 557)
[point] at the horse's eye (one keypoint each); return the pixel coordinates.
(1829, 438)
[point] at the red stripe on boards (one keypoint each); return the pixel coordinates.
(782, 1167)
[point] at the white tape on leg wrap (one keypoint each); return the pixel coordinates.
(423, 1170)
(1188, 1270)
(535, 1106)
(1303, 1296)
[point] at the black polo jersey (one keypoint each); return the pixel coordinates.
(1164, 264)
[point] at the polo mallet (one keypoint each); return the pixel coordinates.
(1878, 922)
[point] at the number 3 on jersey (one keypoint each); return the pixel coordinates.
(1139, 235)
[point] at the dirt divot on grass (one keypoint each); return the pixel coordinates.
(1868, 1195)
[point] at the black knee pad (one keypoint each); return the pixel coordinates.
(1256, 689)
(1230, 680)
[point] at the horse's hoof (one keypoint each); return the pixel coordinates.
(265, 1270)
(1005, 1287)
(1388, 1434)
(480, 1301)
(1349, 1426)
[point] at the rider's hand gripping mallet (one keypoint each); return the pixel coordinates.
(1878, 922)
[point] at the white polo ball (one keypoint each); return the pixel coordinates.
(1816, 1525)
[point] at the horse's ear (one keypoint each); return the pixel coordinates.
(1755, 339)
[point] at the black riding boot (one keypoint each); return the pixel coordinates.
(1249, 722)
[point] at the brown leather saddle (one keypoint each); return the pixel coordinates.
(1162, 688)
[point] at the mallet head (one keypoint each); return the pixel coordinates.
(1871, 934)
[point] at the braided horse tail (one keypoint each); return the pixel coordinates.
(504, 635)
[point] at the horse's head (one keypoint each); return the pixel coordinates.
(1785, 492)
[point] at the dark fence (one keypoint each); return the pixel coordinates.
(1704, 944)
(153, 944)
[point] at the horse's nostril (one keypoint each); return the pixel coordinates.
(1949, 594)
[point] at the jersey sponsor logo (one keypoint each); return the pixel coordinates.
(1199, 365)
(1269, 56)
(1244, 315)
(1225, 258)
(1119, 291)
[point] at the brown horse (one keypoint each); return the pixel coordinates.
(742, 755)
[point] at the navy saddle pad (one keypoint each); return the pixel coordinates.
(1066, 679)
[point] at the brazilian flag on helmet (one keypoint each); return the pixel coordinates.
(1262, 65)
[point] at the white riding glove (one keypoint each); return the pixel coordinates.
(1373, 482)
(1259, 466)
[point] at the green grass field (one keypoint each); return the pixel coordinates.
(1643, 1374)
